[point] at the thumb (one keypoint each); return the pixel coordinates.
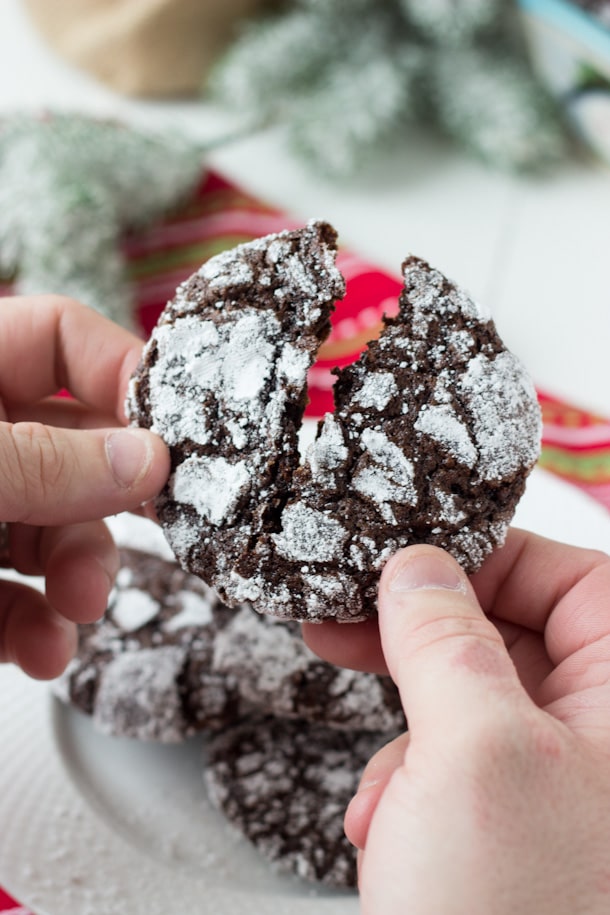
(57, 476)
(445, 656)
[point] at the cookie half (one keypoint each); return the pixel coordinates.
(223, 380)
(435, 430)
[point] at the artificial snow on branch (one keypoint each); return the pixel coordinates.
(346, 77)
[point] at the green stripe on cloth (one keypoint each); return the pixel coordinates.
(589, 468)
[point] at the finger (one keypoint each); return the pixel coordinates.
(577, 691)
(550, 588)
(353, 645)
(374, 780)
(524, 581)
(570, 662)
(358, 647)
(79, 563)
(444, 655)
(58, 476)
(50, 342)
(581, 617)
(527, 651)
(32, 634)
(60, 411)
(518, 585)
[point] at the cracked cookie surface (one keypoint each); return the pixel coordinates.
(435, 429)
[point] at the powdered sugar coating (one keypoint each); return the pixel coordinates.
(501, 400)
(327, 453)
(308, 535)
(212, 485)
(195, 612)
(197, 357)
(384, 474)
(441, 423)
(132, 608)
(145, 669)
(136, 532)
(285, 785)
(430, 295)
(449, 513)
(377, 389)
(135, 683)
(224, 268)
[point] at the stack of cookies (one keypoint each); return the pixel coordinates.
(435, 429)
(287, 735)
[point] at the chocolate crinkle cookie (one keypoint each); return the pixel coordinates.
(276, 673)
(285, 785)
(435, 429)
(145, 669)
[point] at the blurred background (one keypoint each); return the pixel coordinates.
(474, 133)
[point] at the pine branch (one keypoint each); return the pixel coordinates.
(488, 103)
(69, 187)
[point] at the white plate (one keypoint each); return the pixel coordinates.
(91, 825)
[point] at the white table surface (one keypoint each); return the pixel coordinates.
(535, 250)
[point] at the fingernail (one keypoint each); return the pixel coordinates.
(426, 572)
(129, 455)
(368, 783)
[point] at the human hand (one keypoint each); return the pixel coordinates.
(497, 800)
(66, 463)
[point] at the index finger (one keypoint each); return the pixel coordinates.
(51, 342)
(548, 587)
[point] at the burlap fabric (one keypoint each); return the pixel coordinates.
(151, 48)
